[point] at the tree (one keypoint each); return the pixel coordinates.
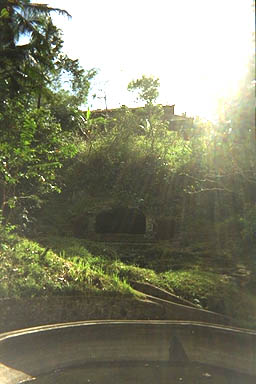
(21, 18)
(64, 104)
(36, 70)
(32, 148)
(146, 87)
(34, 141)
(151, 122)
(220, 177)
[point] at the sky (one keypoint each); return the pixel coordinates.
(199, 49)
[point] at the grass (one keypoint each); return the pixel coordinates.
(28, 269)
(67, 266)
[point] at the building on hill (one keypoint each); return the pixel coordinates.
(179, 123)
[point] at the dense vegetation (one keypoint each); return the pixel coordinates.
(57, 163)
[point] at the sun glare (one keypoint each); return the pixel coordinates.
(211, 56)
(198, 49)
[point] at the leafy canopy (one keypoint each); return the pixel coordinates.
(146, 87)
(24, 63)
(34, 137)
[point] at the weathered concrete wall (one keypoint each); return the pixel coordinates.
(33, 352)
(24, 313)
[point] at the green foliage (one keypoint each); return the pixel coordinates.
(202, 287)
(24, 65)
(146, 87)
(225, 152)
(35, 133)
(28, 269)
(105, 168)
(32, 147)
(207, 184)
(36, 70)
(219, 178)
(64, 105)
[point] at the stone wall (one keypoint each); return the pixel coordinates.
(25, 313)
(133, 222)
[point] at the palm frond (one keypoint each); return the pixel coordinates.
(24, 24)
(43, 9)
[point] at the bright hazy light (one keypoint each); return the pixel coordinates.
(199, 49)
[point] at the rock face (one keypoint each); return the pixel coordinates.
(121, 220)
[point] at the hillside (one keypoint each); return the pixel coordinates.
(119, 270)
(150, 211)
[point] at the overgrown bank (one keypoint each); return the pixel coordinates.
(71, 267)
(59, 166)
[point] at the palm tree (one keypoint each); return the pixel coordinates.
(19, 18)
